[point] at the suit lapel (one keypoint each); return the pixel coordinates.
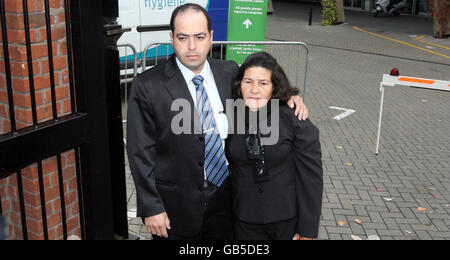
(176, 85)
(178, 89)
(221, 80)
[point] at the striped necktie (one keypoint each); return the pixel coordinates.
(216, 169)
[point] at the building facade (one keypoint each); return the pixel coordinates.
(413, 7)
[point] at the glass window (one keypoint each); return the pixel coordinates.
(353, 3)
(357, 3)
(422, 6)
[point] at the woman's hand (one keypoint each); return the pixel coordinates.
(301, 111)
(298, 237)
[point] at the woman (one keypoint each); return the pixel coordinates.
(277, 188)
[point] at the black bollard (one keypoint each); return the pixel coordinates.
(310, 16)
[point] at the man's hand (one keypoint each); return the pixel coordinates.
(301, 111)
(298, 237)
(158, 225)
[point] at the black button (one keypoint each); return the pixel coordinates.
(204, 186)
(201, 164)
(201, 139)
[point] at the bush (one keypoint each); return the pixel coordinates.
(329, 12)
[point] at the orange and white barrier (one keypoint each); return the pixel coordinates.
(389, 80)
(392, 81)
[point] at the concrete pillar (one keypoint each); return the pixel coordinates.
(270, 7)
(367, 5)
(441, 19)
(340, 10)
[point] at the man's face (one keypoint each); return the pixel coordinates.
(191, 39)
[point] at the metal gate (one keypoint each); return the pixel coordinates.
(87, 137)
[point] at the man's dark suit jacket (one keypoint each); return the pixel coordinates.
(295, 177)
(168, 168)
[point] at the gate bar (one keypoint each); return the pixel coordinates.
(69, 58)
(61, 195)
(12, 117)
(81, 202)
(22, 205)
(50, 60)
(48, 137)
(30, 62)
(42, 196)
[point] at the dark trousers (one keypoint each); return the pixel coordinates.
(283, 230)
(217, 221)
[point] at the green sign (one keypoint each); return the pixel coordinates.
(247, 22)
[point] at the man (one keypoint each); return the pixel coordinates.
(181, 179)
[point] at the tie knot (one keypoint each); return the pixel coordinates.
(198, 80)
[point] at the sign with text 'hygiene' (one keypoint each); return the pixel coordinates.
(247, 22)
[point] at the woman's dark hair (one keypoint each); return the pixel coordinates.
(184, 8)
(282, 89)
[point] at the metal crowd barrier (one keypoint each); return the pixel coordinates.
(125, 76)
(288, 54)
(135, 63)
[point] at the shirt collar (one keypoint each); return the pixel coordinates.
(189, 75)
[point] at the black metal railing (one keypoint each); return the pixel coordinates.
(90, 131)
(7, 66)
(20, 148)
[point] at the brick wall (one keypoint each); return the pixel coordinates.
(23, 113)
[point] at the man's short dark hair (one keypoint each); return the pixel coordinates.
(184, 8)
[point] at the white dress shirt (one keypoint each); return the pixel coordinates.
(213, 95)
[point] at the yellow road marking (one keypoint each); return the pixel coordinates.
(431, 43)
(401, 42)
(420, 37)
(434, 44)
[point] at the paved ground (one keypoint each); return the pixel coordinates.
(403, 193)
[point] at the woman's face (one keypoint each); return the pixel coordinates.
(257, 87)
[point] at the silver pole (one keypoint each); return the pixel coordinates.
(377, 151)
(306, 73)
(126, 83)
